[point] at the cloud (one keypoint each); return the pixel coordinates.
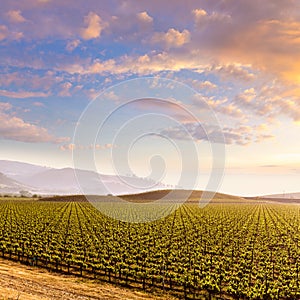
(5, 106)
(228, 109)
(269, 45)
(71, 45)
(67, 147)
(246, 99)
(65, 89)
(14, 128)
(71, 147)
(199, 14)
(94, 26)
(38, 104)
(104, 147)
(30, 80)
(102, 66)
(203, 85)
(22, 94)
(222, 106)
(111, 96)
(231, 71)
(266, 38)
(16, 16)
(290, 108)
(3, 32)
(268, 101)
(232, 41)
(240, 135)
(144, 17)
(140, 65)
(172, 38)
(202, 17)
(172, 108)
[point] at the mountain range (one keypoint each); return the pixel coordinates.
(23, 178)
(16, 177)
(8, 185)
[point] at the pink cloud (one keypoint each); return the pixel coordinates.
(15, 128)
(94, 26)
(172, 38)
(5, 106)
(3, 32)
(22, 94)
(16, 16)
(71, 147)
(65, 89)
(38, 104)
(144, 17)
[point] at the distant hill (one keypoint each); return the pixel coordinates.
(51, 181)
(278, 198)
(9, 186)
(19, 170)
(165, 195)
(65, 181)
(287, 196)
(176, 194)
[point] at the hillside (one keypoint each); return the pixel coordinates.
(164, 195)
(179, 195)
(8, 185)
(51, 181)
(19, 170)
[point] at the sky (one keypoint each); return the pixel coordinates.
(155, 89)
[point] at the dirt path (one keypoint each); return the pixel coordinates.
(22, 282)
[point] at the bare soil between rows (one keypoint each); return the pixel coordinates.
(23, 283)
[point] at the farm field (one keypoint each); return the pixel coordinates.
(223, 251)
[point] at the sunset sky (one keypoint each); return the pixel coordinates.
(242, 58)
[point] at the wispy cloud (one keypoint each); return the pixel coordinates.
(232, 71)
(71, 147)
(6, 34)
(71, 45)
(241, 135)
(22, 94)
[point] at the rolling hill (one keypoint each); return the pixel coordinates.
(152, 196)
(179, 195)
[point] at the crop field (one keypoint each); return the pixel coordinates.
(222, 251)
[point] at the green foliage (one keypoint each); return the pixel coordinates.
(246, 251)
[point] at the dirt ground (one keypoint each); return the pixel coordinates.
(23, 282)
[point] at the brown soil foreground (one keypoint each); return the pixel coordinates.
(22, 282)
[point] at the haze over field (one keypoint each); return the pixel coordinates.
(239, 58)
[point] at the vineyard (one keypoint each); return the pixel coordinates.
(222, 251)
